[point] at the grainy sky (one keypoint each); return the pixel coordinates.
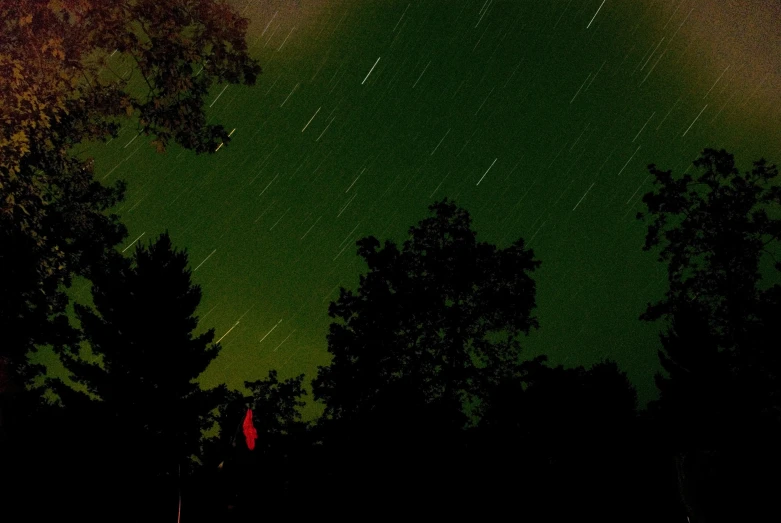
(540, 117)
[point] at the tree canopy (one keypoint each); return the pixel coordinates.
(73, 71)
(440, 318)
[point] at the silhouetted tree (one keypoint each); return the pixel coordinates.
(720, 395)
(442, 316)
(70, 72)
(247, 476)
(276, 410)
(251, 479)
(431, 329)
(146, 405)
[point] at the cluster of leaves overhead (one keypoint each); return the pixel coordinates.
(438, 322)
(55, 56)
(58, 88)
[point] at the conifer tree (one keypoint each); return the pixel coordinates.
(146, 406)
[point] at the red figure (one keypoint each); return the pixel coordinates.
(249, 430)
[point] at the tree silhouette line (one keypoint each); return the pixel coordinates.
(431, 408)
(429, 402)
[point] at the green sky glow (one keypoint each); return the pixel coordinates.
(540, 124)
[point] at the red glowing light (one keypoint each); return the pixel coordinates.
(249, 430)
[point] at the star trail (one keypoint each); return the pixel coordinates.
(540, 118)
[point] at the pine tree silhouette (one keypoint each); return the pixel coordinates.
(147, 412)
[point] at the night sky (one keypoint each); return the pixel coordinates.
(539, 117)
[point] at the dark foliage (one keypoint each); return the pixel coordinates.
(246, 480)
(430, 409)
(720, 392)
(439, 319)
(433, 327)
(59, 89)
(141, 429)
(567, 443)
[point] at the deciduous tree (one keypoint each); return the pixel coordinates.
(440, 319)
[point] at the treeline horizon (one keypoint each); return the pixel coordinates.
(431, 408)
(428, 397)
